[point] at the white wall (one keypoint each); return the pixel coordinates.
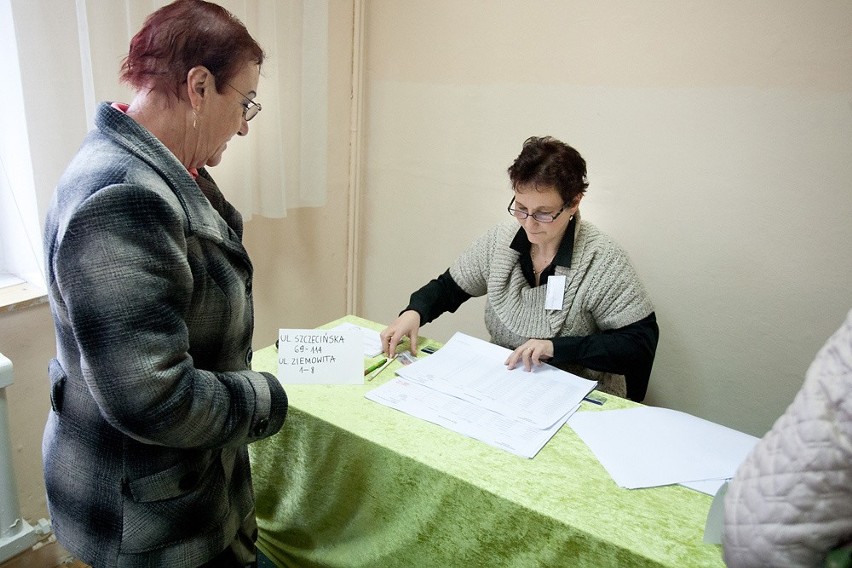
(32, 117)
(717, 136)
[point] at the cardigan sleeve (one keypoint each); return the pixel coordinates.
(439, 296)
(467, 278)
(614, 294)
(627, 351)
(627, 334)
(473, 266)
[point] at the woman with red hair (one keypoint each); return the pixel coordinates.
(153, 398)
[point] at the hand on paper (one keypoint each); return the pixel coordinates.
(407, 324)
(532, 353)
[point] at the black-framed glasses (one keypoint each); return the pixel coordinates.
(250, 107)
(520, 214)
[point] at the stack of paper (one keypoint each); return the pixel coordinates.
(372, 341)
(466, 387)
(649, 447)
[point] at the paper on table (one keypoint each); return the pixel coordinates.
(715, 523)
(474, 370)
(649, 447)
(708, 486)
(464, 417)
(372, 341)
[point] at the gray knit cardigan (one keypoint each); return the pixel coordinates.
(602, 292)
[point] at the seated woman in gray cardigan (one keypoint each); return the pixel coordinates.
(604, 328)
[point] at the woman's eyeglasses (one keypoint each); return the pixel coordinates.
(520, 214)
(250, 107)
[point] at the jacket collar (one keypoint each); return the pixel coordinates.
(202, 218)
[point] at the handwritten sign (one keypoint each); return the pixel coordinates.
(316, 356)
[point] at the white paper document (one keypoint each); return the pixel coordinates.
(715, 523)
(372, 341)
(474, 370)
(708, 486)
(465, 387)
(649, 447)
(464, 417)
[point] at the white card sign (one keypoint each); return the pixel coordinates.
(317, 356)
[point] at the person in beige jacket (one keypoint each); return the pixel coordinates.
(790, 502)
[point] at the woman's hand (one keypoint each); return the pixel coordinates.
(407, 324)
(533, 352)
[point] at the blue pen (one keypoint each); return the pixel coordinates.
(593, 400)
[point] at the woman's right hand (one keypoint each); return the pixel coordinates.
(406, 325)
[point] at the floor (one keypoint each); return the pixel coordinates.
(45, 554)
(50, 554)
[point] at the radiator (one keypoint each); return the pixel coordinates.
(16, 535)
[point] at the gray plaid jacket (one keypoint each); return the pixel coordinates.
(153, 401)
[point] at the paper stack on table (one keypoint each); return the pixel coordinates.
(372, 341)
(466, 387)
(649, 447)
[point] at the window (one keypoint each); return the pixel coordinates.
(48, 96)
(20, 230)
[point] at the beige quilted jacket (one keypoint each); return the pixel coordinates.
(791, 500)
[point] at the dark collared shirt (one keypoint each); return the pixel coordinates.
(627, 350)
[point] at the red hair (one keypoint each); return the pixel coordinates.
(182, 35)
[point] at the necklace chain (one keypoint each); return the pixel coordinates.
(532, 257)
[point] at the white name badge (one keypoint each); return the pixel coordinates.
(555, 292)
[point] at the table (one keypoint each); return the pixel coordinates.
(348, 482)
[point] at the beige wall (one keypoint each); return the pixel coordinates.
(300, 262)
(27, 339)
(717, 136)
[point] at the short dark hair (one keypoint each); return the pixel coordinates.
(546, 162)
(182, 35)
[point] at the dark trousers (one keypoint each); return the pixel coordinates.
(227, 559)
(241, 553)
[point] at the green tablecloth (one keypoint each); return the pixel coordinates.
(348, 482)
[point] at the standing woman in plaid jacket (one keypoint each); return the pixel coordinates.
(153, 399)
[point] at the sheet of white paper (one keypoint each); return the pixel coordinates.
(649, 447)
(708, 486)
(372, 341)
(555, 292)
(716, 517)
(474, 370)
(502, 432)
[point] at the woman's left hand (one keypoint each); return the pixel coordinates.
(533, 352)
